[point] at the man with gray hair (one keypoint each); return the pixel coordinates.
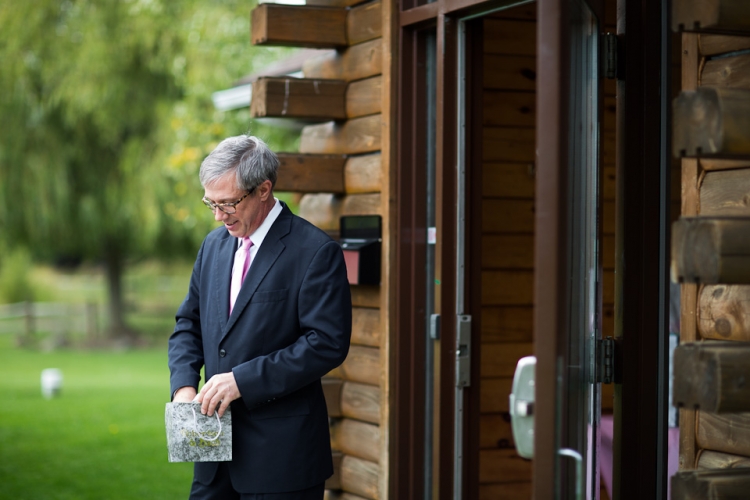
(267, 314)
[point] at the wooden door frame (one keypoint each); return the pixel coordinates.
(406, 465)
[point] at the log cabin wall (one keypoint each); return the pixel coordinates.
(507, 240)
(709, 375)
(341, 169)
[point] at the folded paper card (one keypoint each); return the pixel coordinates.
(194, 437)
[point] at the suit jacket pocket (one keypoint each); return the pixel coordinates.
(269, 296)
(295, 404)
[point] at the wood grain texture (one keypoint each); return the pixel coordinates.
(355, 63)
(504, 108)
(298, 26)
(366, 326)
(355, 438)
(363, 174)
(325, 210)
(711, 44)
(509, 72)
(364, 22)
(508, 251)
(495, 431)
(508, 288)
(507, 324)
(726, 192)
(494, 394)
(724, 312)
(360, 477)
(362, 365)
(503, 466)
(711, 484)
(500, 360)
(363, 97)
(299, 98)
(509, 144)
(303, 173)
(361, 402)
(508, 216)
(727, 72)
(358, 135)
(365, 296)
(708, 459)
(508, 180)
(723, 15)
(511, 37)
(729, 433)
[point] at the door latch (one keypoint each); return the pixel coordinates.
(463, 351)
(606, 356)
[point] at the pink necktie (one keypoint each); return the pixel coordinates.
(239, 270)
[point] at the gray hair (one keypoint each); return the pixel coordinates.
(249, 157)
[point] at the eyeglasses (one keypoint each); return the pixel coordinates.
(227, 208)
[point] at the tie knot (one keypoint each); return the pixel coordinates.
(246, 243)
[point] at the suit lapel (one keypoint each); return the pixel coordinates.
(268, 252)
(222, 277)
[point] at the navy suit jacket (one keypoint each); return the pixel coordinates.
(291, 324)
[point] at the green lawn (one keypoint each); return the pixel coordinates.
(103, 438)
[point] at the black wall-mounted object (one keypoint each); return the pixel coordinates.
(361, 241)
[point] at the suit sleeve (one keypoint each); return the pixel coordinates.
(325, 318)
(185, 343)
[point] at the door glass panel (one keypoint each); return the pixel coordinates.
(582, 401)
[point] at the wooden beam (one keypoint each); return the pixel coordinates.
(508, 288)
(306, 173)
(500, 360)
(708, 459)
(298, 26)
(298, 98)
(508, 216)
(364, 22)
(334, 482)
(360, 477)
(366, 326)
(325, 210)
(711, 250)
(725, 193)
(358, 135)
(712, 376)
(509, 72)
(363, 174)
(511, 37)
(727, 72)
(714, 45)
(728, 433)
(516, 145)
(503, 466)
(724, 312)
(332, 392)
(712, 121)
(711, 484)
(355, 63)
(363, 97)
(508, 180)
(365, 296)
(713, 164)
(507, 324)
(508, 251)
(494, 395)
(356, 439)
(714, 15)
(361, 402)
(361, 365)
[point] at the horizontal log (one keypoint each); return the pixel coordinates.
(504, 108)
(508, 216)
(711, 164)
(712, 121)
(363, 174)
(728, 433)
(511, 37)
(711, 484)
(724, 312)
(712, 376)
(500, 360)
(298, 26)
(365, 295)
(711, 250)
(725, 193)
(360, 477)
(525, 12)
(493, 395)
(366, 326)
(361, 402)
(355, 63)
(731, 72)
(516, 145)
(509, 72)
(303, 173)
(713, 45)
(334, 482)
(507, 324)
(508, 180)
(364, 97)
(358, 135)
(361, 365)
(723, 15)
(508, 251)
(305, 98)
(364, 22)
(609, 183)
(325, 210)
(356, 439)
(334, 3)
(503, 466)
(708, 459)
(495, 431)
(332, 392)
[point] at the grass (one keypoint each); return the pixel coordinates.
(103, 438)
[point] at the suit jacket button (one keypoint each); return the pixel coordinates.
(222, 353)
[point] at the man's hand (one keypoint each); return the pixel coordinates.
(221, 388)
(184, 394)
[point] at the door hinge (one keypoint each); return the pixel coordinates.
(610, 46)
(606, 355)
(463, 351)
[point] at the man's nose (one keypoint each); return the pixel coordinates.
(219, 215)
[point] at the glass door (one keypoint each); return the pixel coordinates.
(567, 313)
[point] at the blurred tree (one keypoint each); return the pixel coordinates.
(106, 117)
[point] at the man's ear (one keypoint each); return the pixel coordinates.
(265, 190)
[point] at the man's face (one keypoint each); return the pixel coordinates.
(251, 211)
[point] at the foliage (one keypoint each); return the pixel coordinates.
(107, 116)
(15, 281)
(102, 438)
